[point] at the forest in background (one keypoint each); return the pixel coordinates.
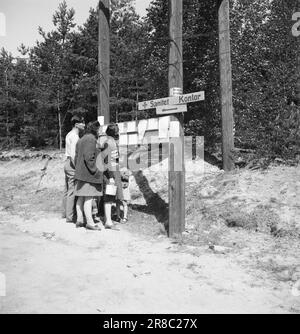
(57, 77)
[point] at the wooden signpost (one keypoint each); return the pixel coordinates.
(104, 61)
(175, 104)
(226, 86)
(176, 178)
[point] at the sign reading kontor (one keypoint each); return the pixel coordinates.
(180, 99)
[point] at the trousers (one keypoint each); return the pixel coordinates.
(69, 192)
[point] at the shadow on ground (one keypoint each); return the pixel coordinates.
(155, 205)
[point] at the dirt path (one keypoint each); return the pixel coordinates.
(51, 267)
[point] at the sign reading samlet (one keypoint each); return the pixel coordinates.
(152, 104)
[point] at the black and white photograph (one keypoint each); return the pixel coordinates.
(149, 159)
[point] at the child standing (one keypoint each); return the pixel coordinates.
(126, 196)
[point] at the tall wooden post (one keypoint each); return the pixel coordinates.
(104, 60)
(176, 177)
(226, 85)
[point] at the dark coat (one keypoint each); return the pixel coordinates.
(85, 160)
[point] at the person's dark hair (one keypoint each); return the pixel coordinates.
(76, 119)
(113, 131)
(93, 128)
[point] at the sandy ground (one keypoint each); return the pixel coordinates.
(114, 272)
(52, 267)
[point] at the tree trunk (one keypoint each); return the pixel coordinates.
(7, 114)
(59, 123)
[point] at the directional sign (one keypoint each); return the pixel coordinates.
(166, 101)
(187, 98)
(171, 109)
(154, 103)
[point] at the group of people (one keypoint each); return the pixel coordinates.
(93, 179)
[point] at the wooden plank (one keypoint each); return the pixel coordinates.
(104, 60)
(226, 86)
(176, 178)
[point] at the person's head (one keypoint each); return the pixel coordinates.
(113, 131)
(93, 128)
(78, 123)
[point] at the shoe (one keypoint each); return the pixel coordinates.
(79, 224)
(97, 220)
(93, 227)
(116, 219)
(109, 225)
(112, 227)
(124, 221)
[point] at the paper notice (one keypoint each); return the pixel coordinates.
(152, 124)
(101, 120)
(131, 127)
(163, 127)
(142, 127)
(121, 127)
(133, 139)
(123, 140)
(174, 129)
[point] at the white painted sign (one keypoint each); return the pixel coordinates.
(153, 103)
(123, 140)
(131, 127)
(152, 124)
(142, 127)
(174, 129)
(101, 120)
(171, 109)
(163, 127)
(175, 91)
(166, 101)
(133, 139)
(188, 98)
(121, 127)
